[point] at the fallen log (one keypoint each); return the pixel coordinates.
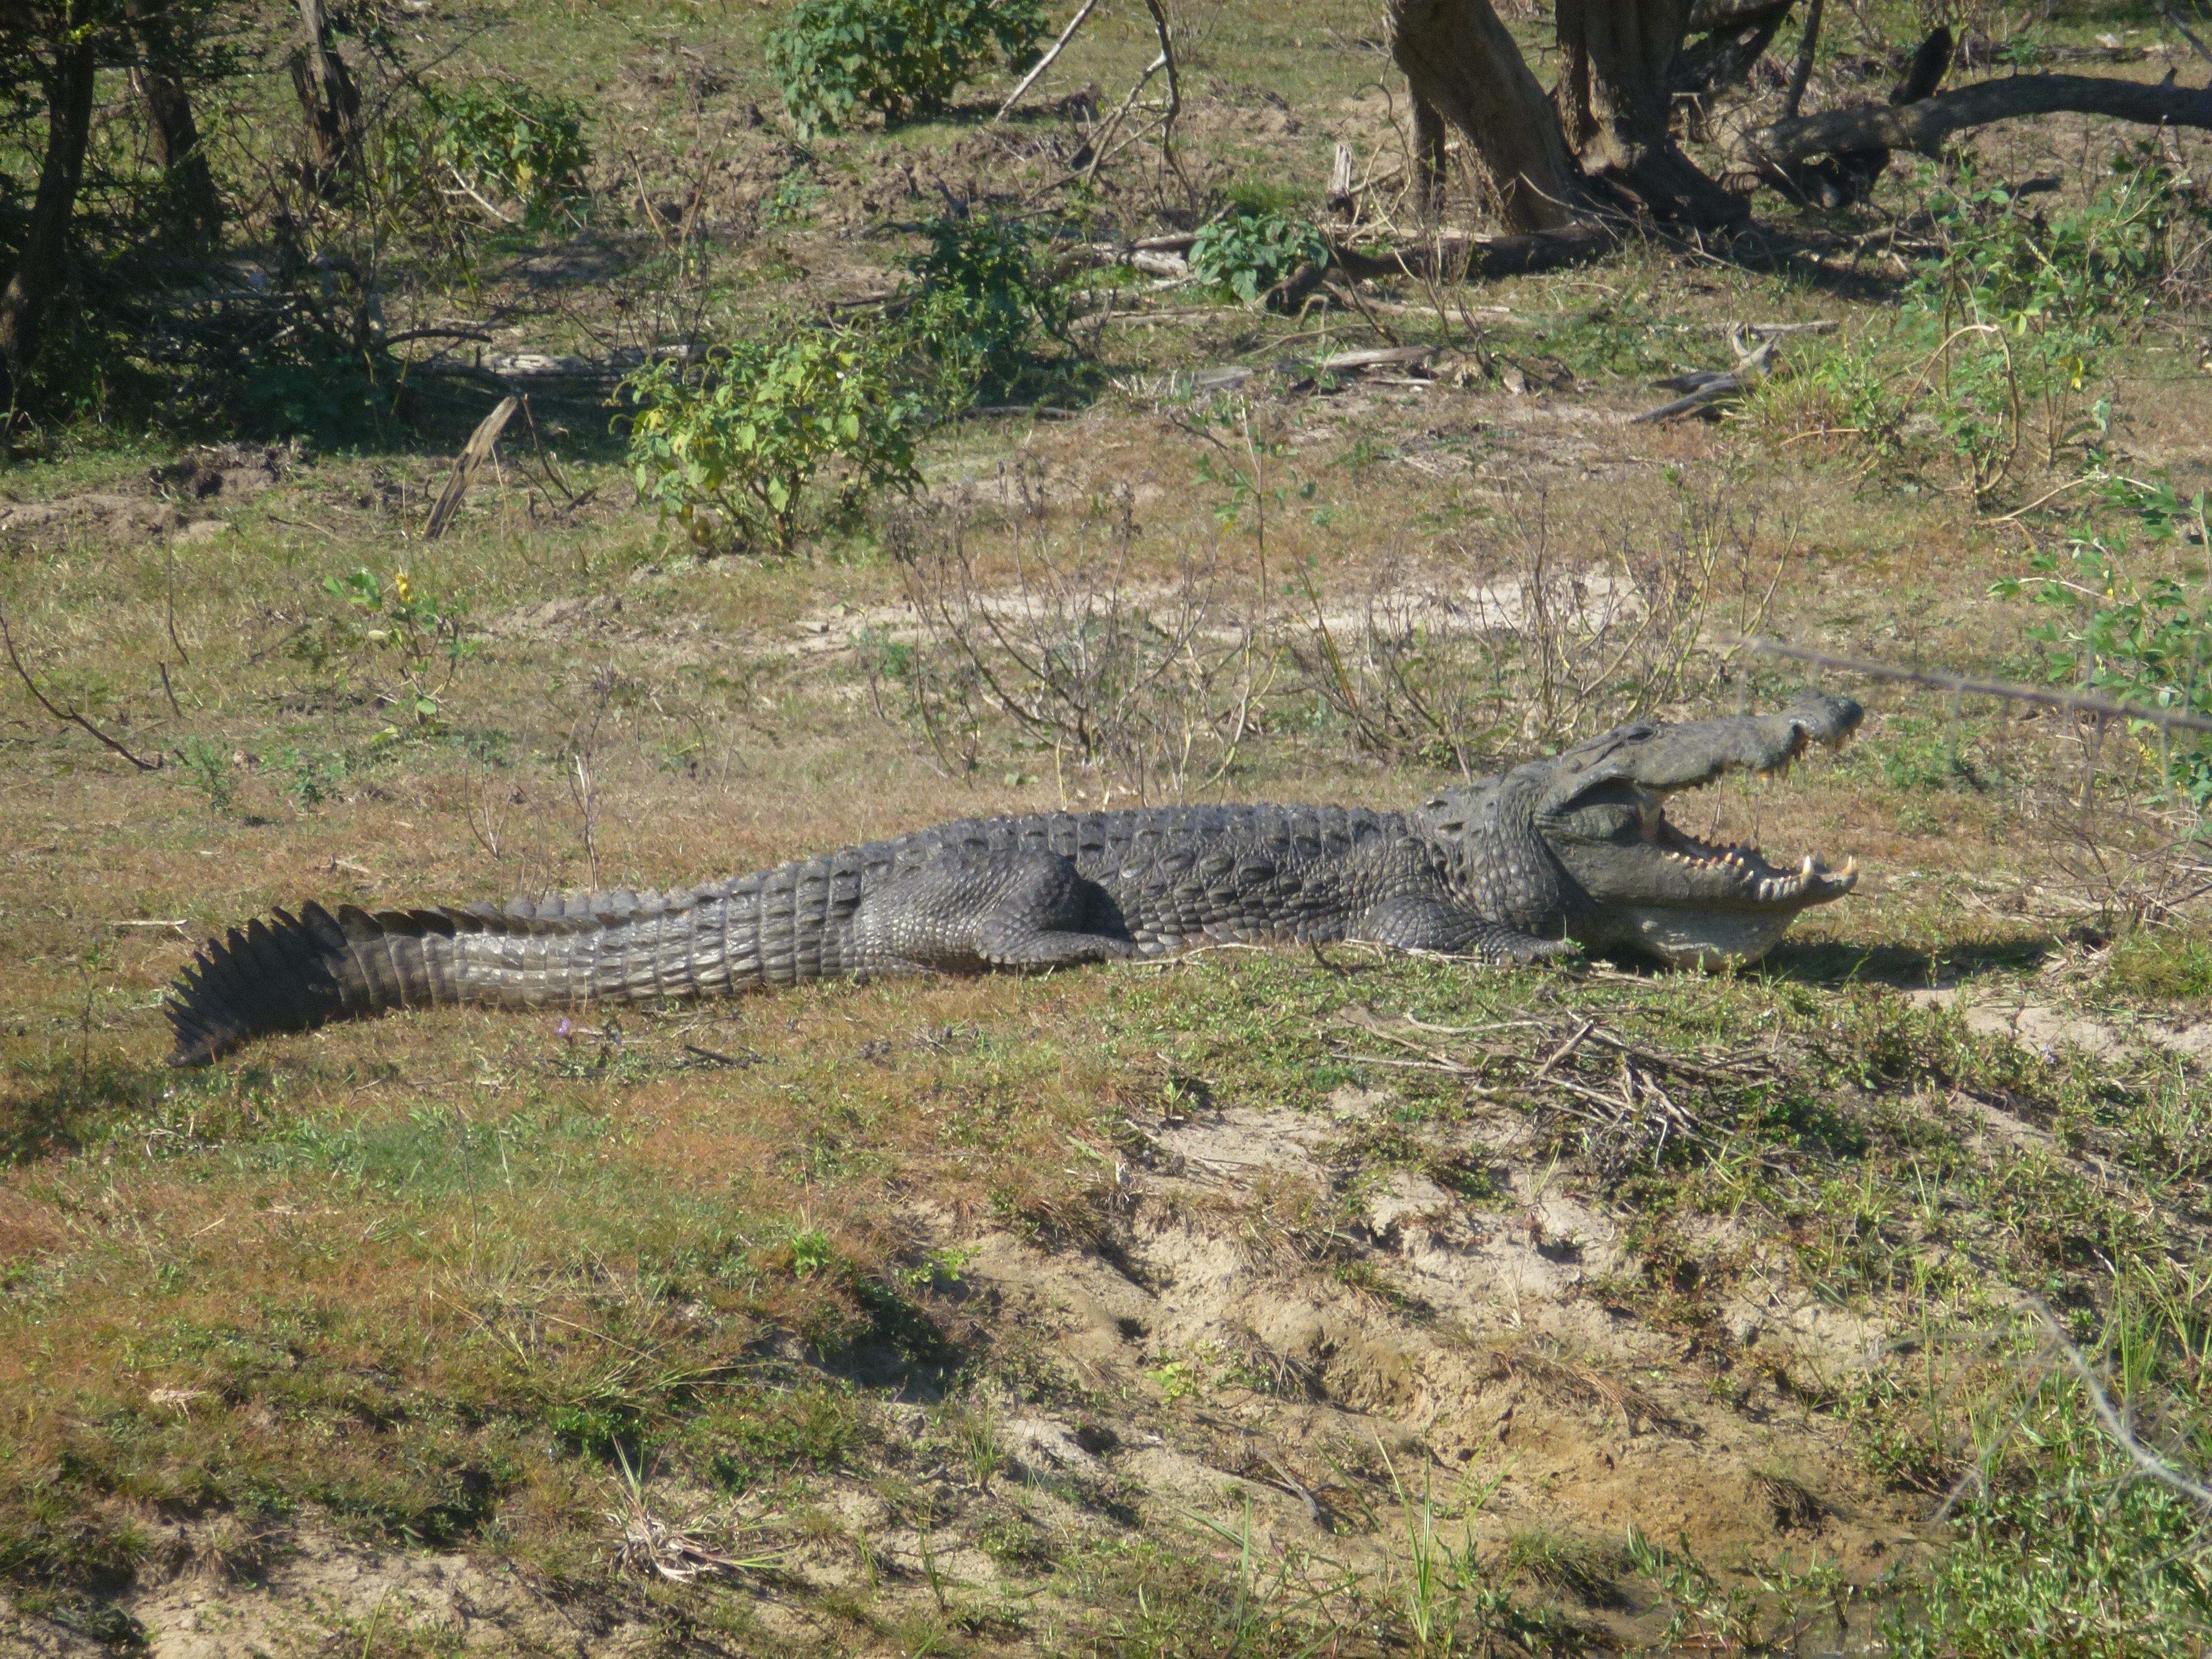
(1923, 126)
(1468, 256)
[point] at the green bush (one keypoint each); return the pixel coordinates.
(1250, 250)
(730, 448)
(899, 57)
(2145, 643)
(505, 143)
(983, 299)
(2011, 315)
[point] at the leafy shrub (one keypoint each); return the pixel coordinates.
(2148, 644)
(731, 447)
(401, 623)
(899, 57)
(983, 298)
(501, 140)
(2010, 318)
(1250, 250)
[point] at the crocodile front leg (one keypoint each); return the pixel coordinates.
(968, 910)
(1412, 923)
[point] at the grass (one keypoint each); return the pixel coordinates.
(808, 1280)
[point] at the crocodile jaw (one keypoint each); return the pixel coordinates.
(1704, 939)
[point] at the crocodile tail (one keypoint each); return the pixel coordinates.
(294, 973)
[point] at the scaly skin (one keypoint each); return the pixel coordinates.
(1553, 856)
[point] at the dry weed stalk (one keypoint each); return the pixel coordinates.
(649, 1543)
(1148, 686)
(1480, 658)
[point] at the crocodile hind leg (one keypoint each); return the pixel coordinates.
(1453, 930)
(970, 909)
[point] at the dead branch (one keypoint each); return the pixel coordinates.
(1923, 125)
(68, 716)
(1703, 387)
(2166, 9)
(464, 468)
(2081, 702)
(1045, 61)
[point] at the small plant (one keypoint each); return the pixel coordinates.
(1249, 250)
(405, 624)
(2012, 314)
(902, 58)
(312, 778)
(984, 299)
(730, 448)
(1767, 1616)
(516, 152)
(811, 1252)
(207, 763)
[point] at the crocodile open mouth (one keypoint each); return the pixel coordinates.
(1688, 900)
(1748, 877)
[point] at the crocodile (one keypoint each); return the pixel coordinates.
(1571, 852)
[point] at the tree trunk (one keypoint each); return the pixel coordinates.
(169, 120)
(38, 274)
(1615, 98)
(1460, 61)
(328, 100)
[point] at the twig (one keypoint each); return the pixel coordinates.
(546, 461)
(2080, 702)
(1708, 387)
(1045, 61)
(721, 1059)
(301, 524)
(1562, 1051)
(469, 190)
(1175, 90)
(2166, 9)
(1041, 411)
(184, 657)
(68, 716)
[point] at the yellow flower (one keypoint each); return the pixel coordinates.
(403, 587)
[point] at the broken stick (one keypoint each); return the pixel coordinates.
(471, 456)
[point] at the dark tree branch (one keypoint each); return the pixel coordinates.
(176, 135)
(1730, 46)
(1808, 48)
(1428, 158)
(70, 716)
(1923, 126)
